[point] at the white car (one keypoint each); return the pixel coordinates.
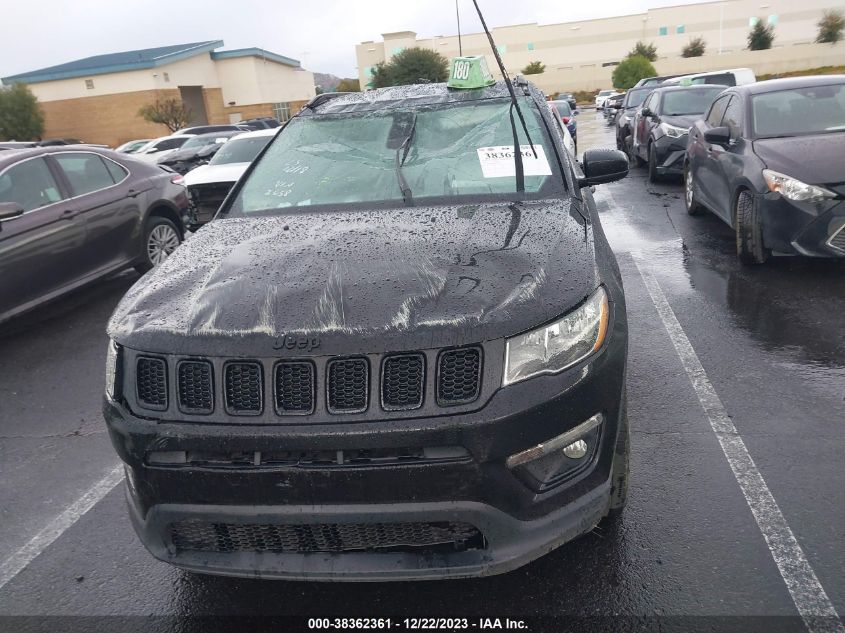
(603, 96)
(732, 77)
(208, 185)
(161, 147)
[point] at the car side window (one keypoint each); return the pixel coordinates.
(86, 172)
(717, 111)
(733, 117)
(30, 184)
(118, 172)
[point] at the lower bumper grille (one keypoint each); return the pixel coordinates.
(325, 537)
(838, 239)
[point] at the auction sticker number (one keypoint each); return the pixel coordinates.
(461, 70)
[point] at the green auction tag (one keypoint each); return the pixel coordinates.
(470, 72)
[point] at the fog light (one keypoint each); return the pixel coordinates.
(549, 464)
(576, 450)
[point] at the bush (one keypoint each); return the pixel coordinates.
(631, 70)
(830, 27)
(534, 68)
(21, 118)
(641, 49)
(411, 66)
(761, 36)
(695, 48)
(348, 85)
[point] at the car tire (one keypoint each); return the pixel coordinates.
(749, 230)
(692, 205)
(653, 176)
(620, 471)
(161, 237)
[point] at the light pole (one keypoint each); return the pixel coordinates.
(721, 22)
(458, 16)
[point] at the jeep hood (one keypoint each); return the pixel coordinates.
(363, 281)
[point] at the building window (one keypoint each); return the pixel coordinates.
(680, 28)
(530, 46)
(281, 111)
(166, 77)
(502, 49)
(752, 22)
(773, 19)
(398, 50)
(89, 84)
(663, 30)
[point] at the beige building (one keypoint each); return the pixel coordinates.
(97, 99)
(581, 55)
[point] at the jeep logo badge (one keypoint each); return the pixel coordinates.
(290, 342)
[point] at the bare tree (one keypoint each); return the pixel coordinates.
(169, 112)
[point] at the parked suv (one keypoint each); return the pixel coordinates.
(398, 351)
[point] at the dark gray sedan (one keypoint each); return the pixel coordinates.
(73, 214)
(769, 159)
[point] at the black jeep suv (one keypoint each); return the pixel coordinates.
(398, 352)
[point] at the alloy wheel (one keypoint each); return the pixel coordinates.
(162, 242)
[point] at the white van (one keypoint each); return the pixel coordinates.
(733, 77)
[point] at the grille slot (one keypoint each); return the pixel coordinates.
(294, 388)
(459, 376)
(325, 537)
(348, 385)
(402, 382)
(196, 386)
(244, 389)
(151, 383)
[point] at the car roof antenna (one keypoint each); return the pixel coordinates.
(517, 153)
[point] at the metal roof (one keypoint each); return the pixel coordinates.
(141, 59)
(116, 62)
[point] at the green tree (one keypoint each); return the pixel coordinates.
(417, 65)
(649, 51)
(695, 48)
(534, 68)
(380, 76)
(761, 36)
(631, 70)
(830, 26)
(21, 118)
(169, 112)
(348, 85)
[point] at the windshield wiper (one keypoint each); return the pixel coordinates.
(401, 155)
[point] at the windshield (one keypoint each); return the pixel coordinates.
(815, 110)
(449, 151)
(202, 140)
(241, 150)
(680, 102)
(634, 98)
(563, 108)
(604, 93)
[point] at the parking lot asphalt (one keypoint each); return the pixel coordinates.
(718, 353)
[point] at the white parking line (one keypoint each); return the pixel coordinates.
(807, 593)
(18, 561)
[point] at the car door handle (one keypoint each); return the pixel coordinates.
(69, 214)
(132, 193)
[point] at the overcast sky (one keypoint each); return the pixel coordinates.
(320, 33)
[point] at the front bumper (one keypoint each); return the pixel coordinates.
(803, 228)
(670, 154)
(519, 521)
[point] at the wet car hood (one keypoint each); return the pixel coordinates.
(363, 281)
(685, 121)
(228, 172)
(817, 159)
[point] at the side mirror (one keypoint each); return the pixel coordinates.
(718, 135)
(601, 166)
(9, 210)
(647, 112)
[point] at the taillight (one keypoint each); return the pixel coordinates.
(177, 180)
(565, 120)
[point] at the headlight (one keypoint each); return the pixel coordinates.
(672, 130)
(554, 347)
(112, 378)
(795, 189)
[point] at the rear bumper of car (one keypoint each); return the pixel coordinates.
(814, 229)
